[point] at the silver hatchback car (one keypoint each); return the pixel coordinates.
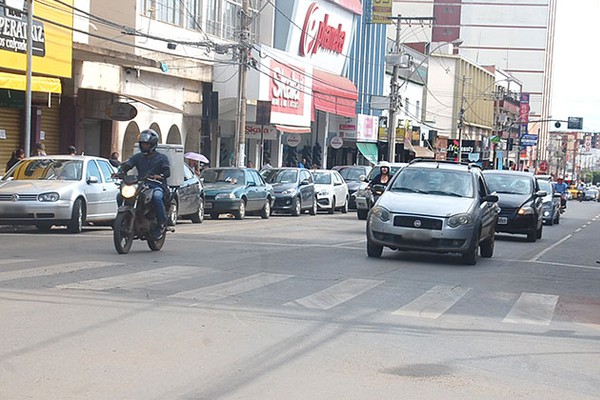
(435, 206)
(58, 190)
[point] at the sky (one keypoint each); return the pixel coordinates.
(576, 86)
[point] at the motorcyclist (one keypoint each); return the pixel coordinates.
(561, 187)
(383, 177)
(153, 165)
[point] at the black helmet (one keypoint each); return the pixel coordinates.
(148, 136)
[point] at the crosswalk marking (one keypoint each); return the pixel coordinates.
(434, 302)
(532, 308)
(14, 260)
(336, 294)
(138, 279)
(53, 269)
(232, 288)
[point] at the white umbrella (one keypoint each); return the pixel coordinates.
(196, 156)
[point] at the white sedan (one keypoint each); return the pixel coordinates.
(331, 191)
(58, 190)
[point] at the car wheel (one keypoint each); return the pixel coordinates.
(266, 210)
(75, 225)
(173, 211)
(551, 221)
(557, 218)
(43, 226)
(470, 257)
(198, 216)
(296, 209)
(241, 212)
(313, 209)
(332, 209)
(362, 214)
(214, 215)
(486, 248)
(373, 250)
(532, 235)
(344, 208)
(538, 234)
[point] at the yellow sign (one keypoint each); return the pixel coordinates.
(382, 11)
(52, 38)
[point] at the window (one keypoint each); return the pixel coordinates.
(193, 14)
(418, 110)
(223, 18)
(186, 13)
(107, 171)
(92, 170)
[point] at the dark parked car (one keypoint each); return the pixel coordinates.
(352, 174)
(520, 200)
(550, 202)
(188, 201)
(294, 190)
(238, 191)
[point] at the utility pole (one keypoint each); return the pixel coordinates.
(244, 47)
(395, 102)
(461, 118)
(28, 78)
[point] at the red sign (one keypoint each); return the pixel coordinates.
(317, 33)
(287, 89)
(544, 166)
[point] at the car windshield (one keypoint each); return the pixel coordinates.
(280, 175)
(322, 178)
(46, 169)
(510, 184)
(434, 181)
(545, 185)
(226, 175)
(351, 174)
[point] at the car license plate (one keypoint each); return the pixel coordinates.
(208, 205)
(502, 220)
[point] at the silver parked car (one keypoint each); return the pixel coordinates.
(58, 190)
(435, 206)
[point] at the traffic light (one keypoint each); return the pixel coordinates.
(509, 143)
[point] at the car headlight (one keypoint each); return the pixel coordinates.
(525, 210)
(460, 219)
(128, 191)
(382, 213)
(225, 196)
(289, 191)
(324, 193)
(52, 196)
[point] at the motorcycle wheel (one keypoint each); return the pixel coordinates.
(156, 245)
(123, 233)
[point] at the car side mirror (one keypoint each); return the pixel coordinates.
(541, 193)
(304, 182)
(92, 179)
(251, 184)
(493, 198)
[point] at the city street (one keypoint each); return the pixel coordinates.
(292, 308)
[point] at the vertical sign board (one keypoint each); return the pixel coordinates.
(381, 11)
(523, 114)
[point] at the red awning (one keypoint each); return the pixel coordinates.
(334, 94)
(292, 129)
(352, 5)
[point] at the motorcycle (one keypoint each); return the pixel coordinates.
(376, 191)
(136, 218)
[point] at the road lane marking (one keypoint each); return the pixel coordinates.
(532, 309)
(541, 253)
(337, 294)
(231, 288)
(138, 279)
(434, 302)
(55, 269)
(14, 261)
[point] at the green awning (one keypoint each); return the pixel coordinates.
(369, 151)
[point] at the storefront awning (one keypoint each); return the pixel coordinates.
(334, 94)
(292, 129)
(369, 151)
(353, 5)
(422, 152)
(38, 83)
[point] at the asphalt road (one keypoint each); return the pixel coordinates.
(292, 308)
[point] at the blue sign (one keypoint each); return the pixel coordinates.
(529, 140)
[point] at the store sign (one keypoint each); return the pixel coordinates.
(13, 33)
(293, 140)
(336, 142)
(121, 111)
(253, 131)
(318, 34)
(287, 89)
(367, 127)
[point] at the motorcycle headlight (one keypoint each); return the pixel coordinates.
(48, 197)
(460, 219)
(288, 191)
(225, 196)
(382, 213)
(128, 191)
(526, 210)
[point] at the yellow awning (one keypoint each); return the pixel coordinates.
(38, 83)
